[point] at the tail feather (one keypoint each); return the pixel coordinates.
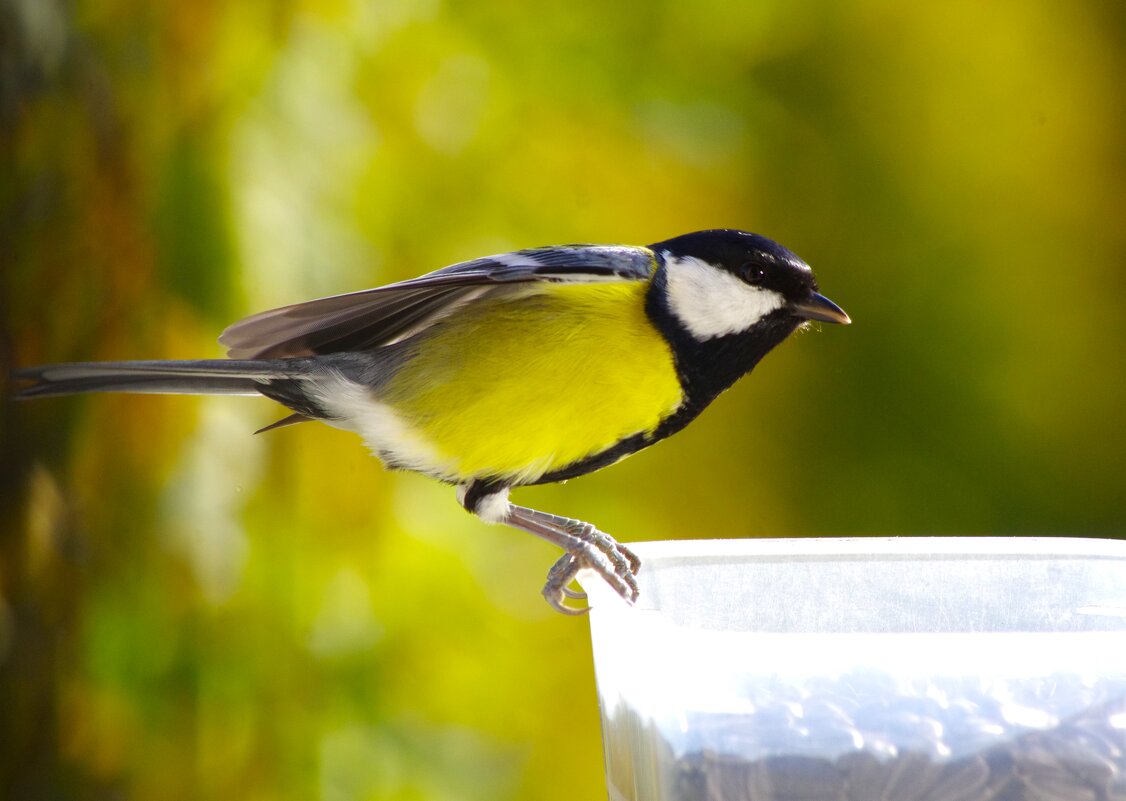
(197, 377)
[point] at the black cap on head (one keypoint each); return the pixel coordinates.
(752, 257)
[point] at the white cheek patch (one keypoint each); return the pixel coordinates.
(710, 302)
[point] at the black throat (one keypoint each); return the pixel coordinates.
(707, 368)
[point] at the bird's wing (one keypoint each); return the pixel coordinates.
(375, 317)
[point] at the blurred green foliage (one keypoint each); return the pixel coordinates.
(187, 611)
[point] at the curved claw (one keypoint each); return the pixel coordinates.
(559, 606)
(574, 594)
(562, 573)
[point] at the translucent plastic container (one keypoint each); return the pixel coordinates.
(953, 669)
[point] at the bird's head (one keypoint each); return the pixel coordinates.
(726, 282)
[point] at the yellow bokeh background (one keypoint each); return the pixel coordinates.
(188, 611)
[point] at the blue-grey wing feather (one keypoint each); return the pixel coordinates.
(376, 317)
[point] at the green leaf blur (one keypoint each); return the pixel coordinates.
(191, 612)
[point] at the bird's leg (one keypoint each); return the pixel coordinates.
(585, 547)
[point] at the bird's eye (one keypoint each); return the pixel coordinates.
(753, 273)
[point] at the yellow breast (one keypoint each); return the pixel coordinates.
(525, 385)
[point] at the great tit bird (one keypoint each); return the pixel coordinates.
(523, 368)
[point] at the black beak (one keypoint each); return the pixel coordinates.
(819, 307)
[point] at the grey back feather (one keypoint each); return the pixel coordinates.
(374, 318)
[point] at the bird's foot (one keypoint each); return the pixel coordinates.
(595, 550)
(585, 548)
